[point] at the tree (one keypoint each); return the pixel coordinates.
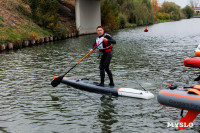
(44, 12)
(122, 20)
(149, 12)
(172, 9)
(138, 11)
(122, 11)
(188, 11)
(155, 5)
(109, 14)
(194, 3)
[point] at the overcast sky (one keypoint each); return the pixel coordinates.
(181, 3)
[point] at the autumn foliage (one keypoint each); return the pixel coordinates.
(118, 13)
(167, 11)
(155, 5)
(44, 12)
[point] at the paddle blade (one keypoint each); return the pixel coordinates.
(57, 81)
(187, 119)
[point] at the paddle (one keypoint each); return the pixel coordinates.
(58, 80)
(139, 84)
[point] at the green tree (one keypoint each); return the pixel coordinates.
(139, 12)
(122, 20)
(148, 12)
(172, 9)
(109, 14)
(188, 11)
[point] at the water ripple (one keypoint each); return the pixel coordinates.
(30, 104)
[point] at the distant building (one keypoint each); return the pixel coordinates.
(197, 11)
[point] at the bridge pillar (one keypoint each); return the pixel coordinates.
(88, 16)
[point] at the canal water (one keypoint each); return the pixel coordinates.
(29, 104)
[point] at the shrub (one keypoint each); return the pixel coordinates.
(122, 20)
(1, 18)
(33, 36)
(60, 32)
(44, 13)
(22, 10)
(172, 9)
(188, 11)
(163, 16)
(1, 25)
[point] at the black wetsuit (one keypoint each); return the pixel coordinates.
(105, 58)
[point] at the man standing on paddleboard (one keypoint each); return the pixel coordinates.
(104, 43)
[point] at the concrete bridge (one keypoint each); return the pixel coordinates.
(88, 16)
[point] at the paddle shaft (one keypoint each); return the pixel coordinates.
(140, 84)
(80, 60)
(76, 64)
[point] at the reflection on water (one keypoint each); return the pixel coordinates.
(155, 58)
(106, 114)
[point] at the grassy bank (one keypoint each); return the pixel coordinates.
(17, 25)
(18, 32)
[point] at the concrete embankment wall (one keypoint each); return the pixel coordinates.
(27, 43)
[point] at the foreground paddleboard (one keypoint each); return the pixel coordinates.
(182, 98)
(89, 85)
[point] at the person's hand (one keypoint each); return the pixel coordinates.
(105, 39)
(91, 50)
